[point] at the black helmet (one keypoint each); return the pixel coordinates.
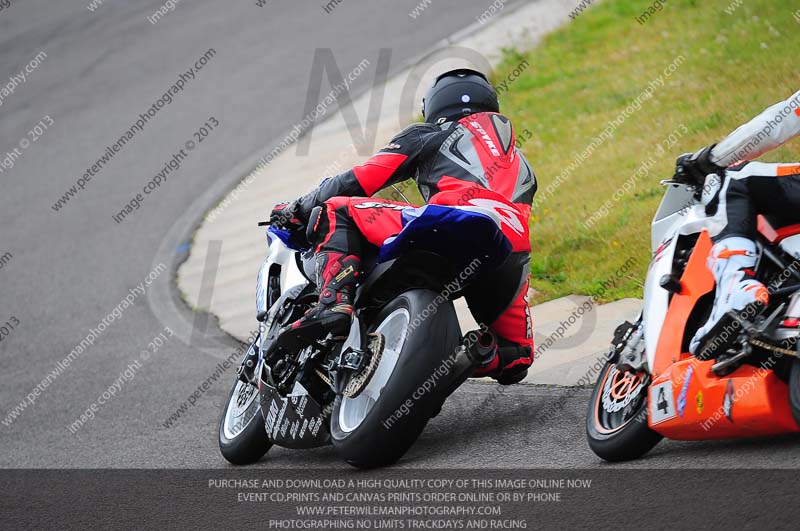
(458, 93)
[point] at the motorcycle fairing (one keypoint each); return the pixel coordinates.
(458, 234)
(281, 234)
(791, 245)
(696, 282)
(294, 421)
(280, 260)
(752, 401)
(787, 237)
(678, 215)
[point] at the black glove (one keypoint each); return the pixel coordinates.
(287, 216)
(692, 168)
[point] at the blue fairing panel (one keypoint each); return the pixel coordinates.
(458, 235)
(282, 235)
(285, 236)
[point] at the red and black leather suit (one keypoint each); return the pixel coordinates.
(473, 162)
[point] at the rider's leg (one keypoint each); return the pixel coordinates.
(340, 231)
(500, 302)
(732, 262)
(772, 189)
(338, 267)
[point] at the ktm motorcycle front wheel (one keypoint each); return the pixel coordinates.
(616, 424)
(794, 390)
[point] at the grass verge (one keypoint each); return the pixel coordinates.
(586, 223)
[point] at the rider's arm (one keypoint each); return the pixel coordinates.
(390, 165)
(767, 131)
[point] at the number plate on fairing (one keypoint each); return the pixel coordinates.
(662, 403)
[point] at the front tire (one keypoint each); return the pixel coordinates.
(377, 427)
(242, 434)
(794, 390)
(616, 424)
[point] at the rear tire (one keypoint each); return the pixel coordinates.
(369, 432)
(621, 435)
(794, 390)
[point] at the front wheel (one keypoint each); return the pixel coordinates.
(242, 435)
(381, 423)
(616, 424)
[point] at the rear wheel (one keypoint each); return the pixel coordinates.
(380, 424)
(616, 424)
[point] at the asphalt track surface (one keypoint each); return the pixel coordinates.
(69, 269)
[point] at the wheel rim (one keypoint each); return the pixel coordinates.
(242, 408)
(619, 400)
(353, 411)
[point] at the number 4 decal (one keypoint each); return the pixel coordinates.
(662, 403)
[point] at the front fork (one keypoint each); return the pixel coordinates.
(247, 369)
(629, 347)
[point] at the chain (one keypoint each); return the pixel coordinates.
(767, 346)
(324, 378)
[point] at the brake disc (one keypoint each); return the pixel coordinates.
(611, 403)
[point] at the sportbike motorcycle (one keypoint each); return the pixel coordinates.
(370, 394)
(745, 382)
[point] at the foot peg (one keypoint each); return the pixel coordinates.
(727, 332)
(481, 347)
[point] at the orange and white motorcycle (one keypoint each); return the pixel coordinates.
(651, 387)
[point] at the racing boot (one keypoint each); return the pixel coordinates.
(501, 360)
(337, 275)
(732, 262)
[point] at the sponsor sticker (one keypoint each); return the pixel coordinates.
(279, 419)
(727, 402)
(301, 407)
(376, 204)
(687, 380)
(271, 416)
(344, 273)
(314, 425)
(659, 254)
